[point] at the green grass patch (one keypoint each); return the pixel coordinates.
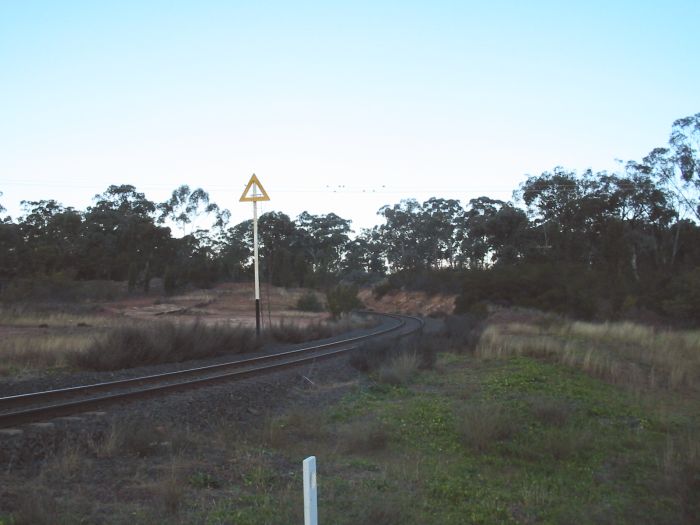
(514, 440)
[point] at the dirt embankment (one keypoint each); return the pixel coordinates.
(412, 303)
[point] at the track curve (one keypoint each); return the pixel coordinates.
(37, 406)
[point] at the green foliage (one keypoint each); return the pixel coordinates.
(309, 302)
(591, 244)
(342, 299)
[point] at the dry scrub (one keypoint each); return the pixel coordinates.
(622, 353)
(40, 350)
(129, 346)
(290, 331)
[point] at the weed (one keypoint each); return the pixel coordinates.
(135, 436)
(480, 425)
(203, 480)
(551, 411)
(680, 464)
(66, 465)
(35, 508)
(400, 370)
(363, 436)
(169, 492)
(565, 443)
(298, 425)
(372, 355)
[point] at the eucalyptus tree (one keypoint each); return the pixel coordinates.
(282, 250)
(325, 239)
(472, 233)
(438, 224)
(401, 235)
(121, 239)
(366, 253)
(185, 206)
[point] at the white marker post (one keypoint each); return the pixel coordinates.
(254, 197)
(310, 501)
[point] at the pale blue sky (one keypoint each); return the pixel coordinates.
(399, 99)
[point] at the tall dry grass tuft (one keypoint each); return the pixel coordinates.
(621, 353)
(37, 507)
(401, 369)
(40, 351)
(291, 331)
(129, 346)
(680, 463)
(481, 425)
(133, 436)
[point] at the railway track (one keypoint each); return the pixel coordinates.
(31, 407)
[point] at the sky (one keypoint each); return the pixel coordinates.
(336, 106)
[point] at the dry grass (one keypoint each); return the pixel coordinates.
(40, 350)
(299, 424)
(551, 411)
(135, 437)
(170, 489)
(480, 425)
(128, 346)
(363, 437)
(401, 369)
(36, 508)
(680, 463)
(621, 353)
(300, 331)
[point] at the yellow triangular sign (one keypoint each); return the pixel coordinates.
(263, 196)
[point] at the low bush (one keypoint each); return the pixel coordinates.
(551, 411)
(370, 356)
(342, 299)
(481, 425)
(401, 369)
(463, 331)
(309, 302)
(363, 436)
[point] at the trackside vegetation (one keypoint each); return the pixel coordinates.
(473, 436)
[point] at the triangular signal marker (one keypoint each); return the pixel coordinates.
(263, 196)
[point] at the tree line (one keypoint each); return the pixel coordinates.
(589, 244)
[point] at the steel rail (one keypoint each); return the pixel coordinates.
(30, 397)
(255, 366)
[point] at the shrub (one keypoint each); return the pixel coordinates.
(342, 299)
(309, 303)
(463, 331)
(480, 425)
(370, 356)
(401, 369)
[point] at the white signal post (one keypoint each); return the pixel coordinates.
(250, 194)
